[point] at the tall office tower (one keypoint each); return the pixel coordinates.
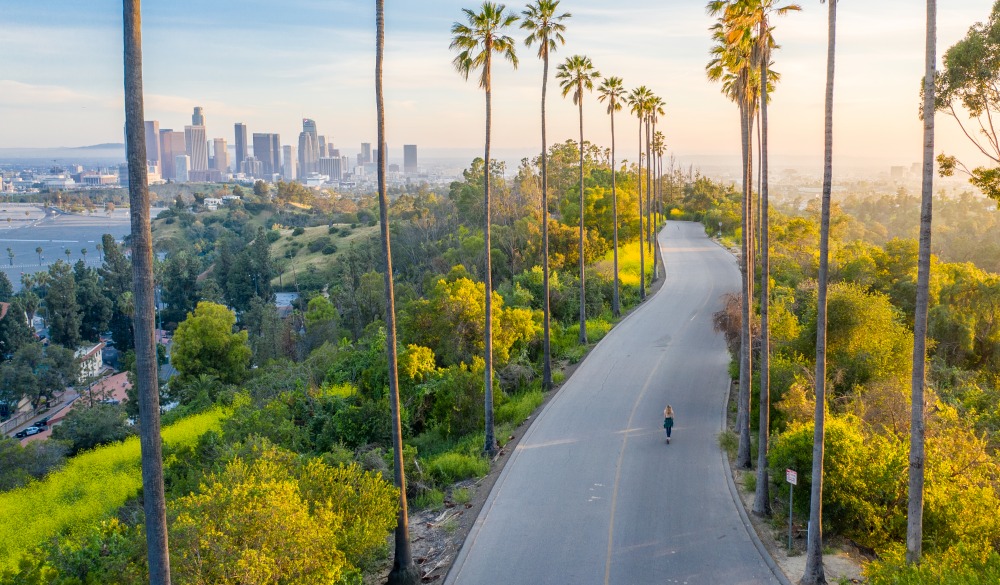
(267, 149)
(221, 155)
(366, 152)
(196, 146)
(251, 167)
(308, 148)
(153, 143)
(288, 163)
(333, 152)
(322, 146)
(345, 164)
(171, 145)
(198, 117)
(181, 168)
(410, 159)
(330, 167)
(241, 145)
(361, 159)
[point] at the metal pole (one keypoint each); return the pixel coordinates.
(791, 490)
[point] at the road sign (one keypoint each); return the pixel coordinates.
(792, 477)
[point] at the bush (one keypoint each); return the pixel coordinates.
(519, 407)
(451, 467)
(956, 566)
(319, 243)
(298, 231)
(329, 249)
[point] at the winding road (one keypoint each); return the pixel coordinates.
(593, 494)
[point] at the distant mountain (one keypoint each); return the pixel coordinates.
(105, 146)
(102, 154)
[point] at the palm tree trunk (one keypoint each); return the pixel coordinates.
(649, 216)
(762, 500)
(642, 245)
(147, 380)
(615, 299)
(743, 459)
(546, 316)
(583, 276)
(490, 447)
(915, 506)
(404, 571)
(814, 573)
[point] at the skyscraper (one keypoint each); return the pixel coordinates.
(366, 152)
(330, 167)
(181, 167)
(308, 148)
(153, 143)
(196, 146)
(221, 155)
(171, 145)
(288, 160)
(241, 145)
(267, 149)
(322, 146)
(410, 159)
(198, 117)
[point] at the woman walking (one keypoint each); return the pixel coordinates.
(668, 420)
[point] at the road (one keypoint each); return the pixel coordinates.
(593, 494)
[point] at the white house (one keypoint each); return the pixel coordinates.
(91, 360)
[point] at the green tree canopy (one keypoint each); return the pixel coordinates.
(205, 344)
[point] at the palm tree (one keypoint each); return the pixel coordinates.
(655, 108)
(100, 251)
(84, 252)
(10, 254)
(915, 506)
(476, 42)
(545, 27)
(68, 252)
(576, 75)
(638, 100)
(731, 64)
(612, 91)
(814, 573)
(154, 504)
(38, 251)
(751, 23)
(404, 571)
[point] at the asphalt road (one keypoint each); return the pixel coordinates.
(593, 494)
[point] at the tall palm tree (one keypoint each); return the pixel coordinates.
(575, 76)
(404, 571)
(38, 251)
(731, 65)
(638, 101)
(612, 91)
(915, 506)
(10, 254)
(545, 28)
(814, 573)
(154, 503)
(750, 23)
(476, 42)
(654, 110)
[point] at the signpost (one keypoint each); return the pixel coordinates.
(792, 477)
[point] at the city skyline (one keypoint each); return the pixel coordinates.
(61, 91)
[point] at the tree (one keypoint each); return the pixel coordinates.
(116, 276)
(545, 28)
(6, 288)
(204, 343)
(612, 91)
(654, 110)
(404, 571)
(36, 372)
(576, 75)
(180, 287)
(476, 42)
(638, 100)
(95, 308)
(814, 573)
(10, 254)
(86, 427)
(147, 380)
(969, 80)
(38, 251)
(265, 330)
(62, 307)
(915, 504)
(14, 329)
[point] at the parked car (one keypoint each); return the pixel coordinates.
(28, 432)
(42, 422)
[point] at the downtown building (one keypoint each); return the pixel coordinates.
(308, 148)
(267, 149)
(241, 146)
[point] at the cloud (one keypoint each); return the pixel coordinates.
(18, 94)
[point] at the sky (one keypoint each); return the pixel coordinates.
(269, 64)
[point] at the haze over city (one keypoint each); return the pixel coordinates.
(271, 65)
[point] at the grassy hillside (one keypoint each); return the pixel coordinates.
(313, 248)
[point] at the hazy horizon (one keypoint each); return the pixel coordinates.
(269, 66)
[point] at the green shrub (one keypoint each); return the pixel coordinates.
(461, 495)
(956, 566)
(329, 249)
(519, 407)
(429, 499)
(319, 243)
(451, 467)
(298, 231)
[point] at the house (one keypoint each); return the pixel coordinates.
(91, 360)
(212, 203)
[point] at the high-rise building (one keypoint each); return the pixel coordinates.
(330, 167)
(333, 152)
(366, 152)
(251, 167)
(308, 148)
(196, 146)
(171, 145)
(241, 145)
(198, 117)
(221, 157)
(322, 146)
(153, 143)
(288, 163)
(410, 159)
(181, 168)
(267, 149)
